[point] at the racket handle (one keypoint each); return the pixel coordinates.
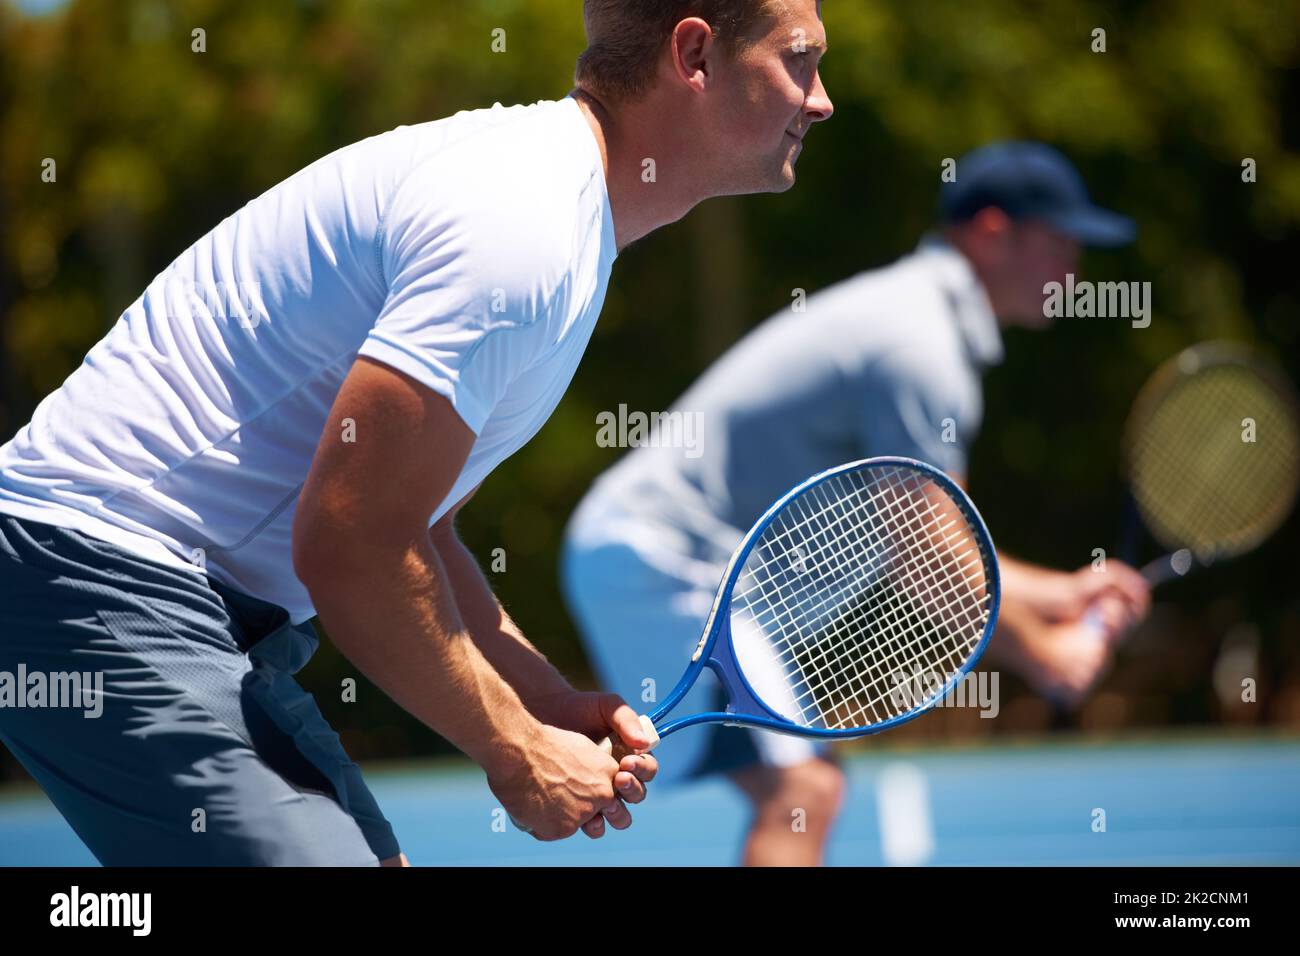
(618, 751)
(1092, 621)
(1169, 567)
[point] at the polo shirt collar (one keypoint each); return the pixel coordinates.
(969, 306)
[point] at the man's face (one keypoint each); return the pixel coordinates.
(1036, 255)
(769, 96)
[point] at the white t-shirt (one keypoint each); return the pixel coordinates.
(471, 253)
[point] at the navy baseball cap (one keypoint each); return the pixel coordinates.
(1031, 181)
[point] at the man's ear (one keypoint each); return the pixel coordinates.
(692, 49)
(992, 222)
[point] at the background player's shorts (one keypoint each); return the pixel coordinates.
(202, 748)
(640, 605)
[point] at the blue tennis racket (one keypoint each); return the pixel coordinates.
(853, 584)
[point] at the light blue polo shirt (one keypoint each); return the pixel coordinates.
(888, 362)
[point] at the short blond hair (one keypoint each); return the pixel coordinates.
(626, 37)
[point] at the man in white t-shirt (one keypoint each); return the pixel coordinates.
(285, 423)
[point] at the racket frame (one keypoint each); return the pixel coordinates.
(719, 655)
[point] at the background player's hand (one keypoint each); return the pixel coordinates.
(1112, 616)
(1062, 597)
(563, 783)
(1065, 660)
(599, 715)
(1119, 595)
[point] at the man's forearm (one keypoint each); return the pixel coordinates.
(1015, 622)
(1017, 617)
(396, 618)
(502, 642)
(1022, 580)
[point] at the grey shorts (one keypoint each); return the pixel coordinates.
(185, 740)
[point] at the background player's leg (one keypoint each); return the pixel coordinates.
(794, 809)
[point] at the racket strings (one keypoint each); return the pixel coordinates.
(1189, 450)
(855, 700)
(857, 682)
(858, 580)
(839, 698)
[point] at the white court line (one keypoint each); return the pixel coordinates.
(906, 828)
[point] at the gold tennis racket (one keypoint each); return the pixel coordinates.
(1212, 458)
(1212, 453)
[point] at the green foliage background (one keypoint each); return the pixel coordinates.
(155, 144)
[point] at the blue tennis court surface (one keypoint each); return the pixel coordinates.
(1209, 801)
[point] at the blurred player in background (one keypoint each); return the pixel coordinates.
(886, 363)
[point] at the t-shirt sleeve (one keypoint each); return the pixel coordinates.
(466, 292)
(923, 404)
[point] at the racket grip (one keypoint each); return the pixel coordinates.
(1092, 621)
(1169, 567)
(1156, 573)
(616, 748)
